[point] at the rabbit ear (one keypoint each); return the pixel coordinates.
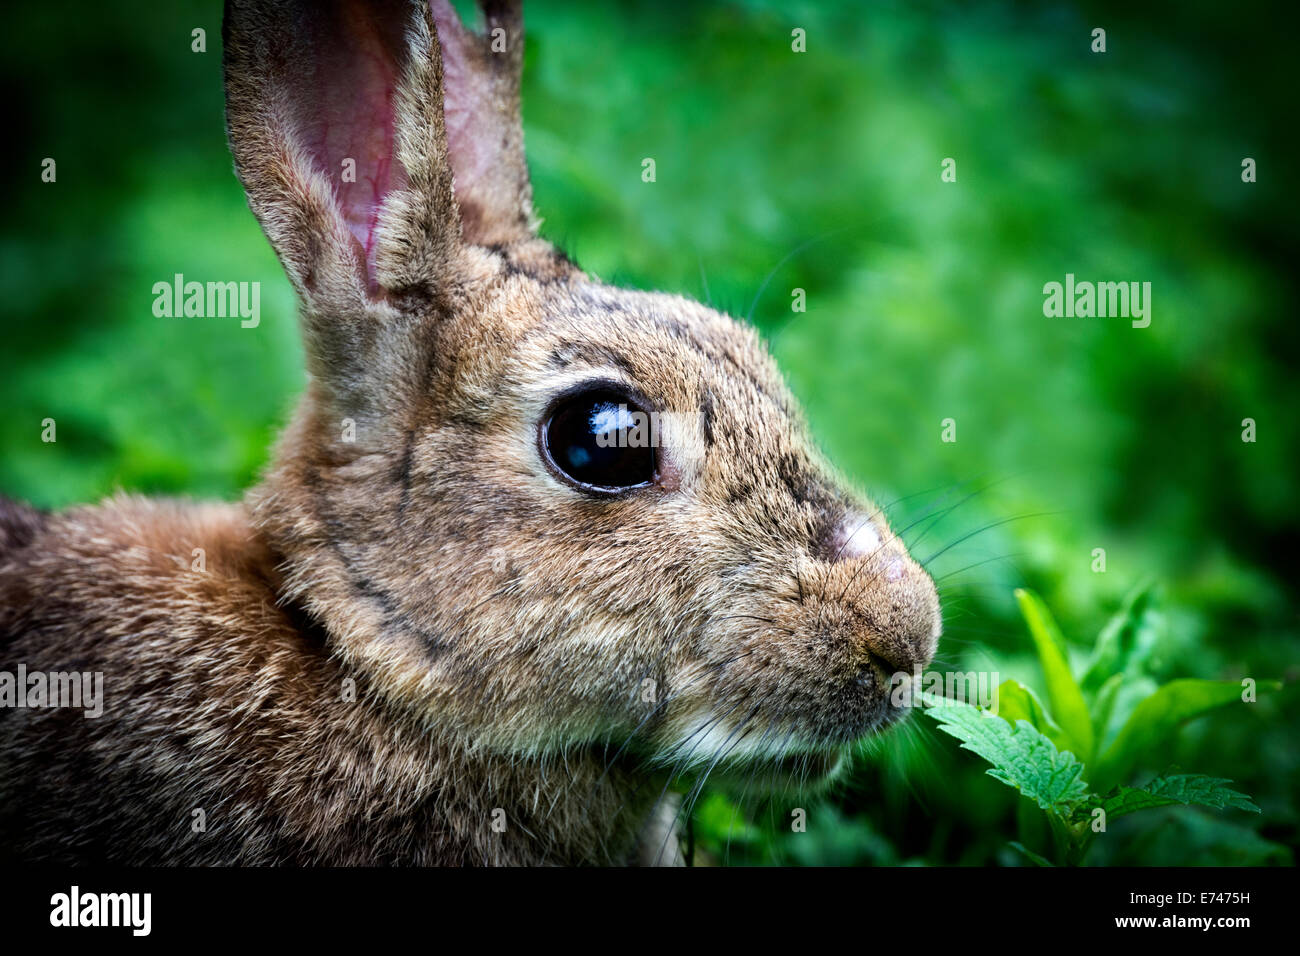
(336, 121)
(485, 133)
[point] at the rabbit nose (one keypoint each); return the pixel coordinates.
(888, 591)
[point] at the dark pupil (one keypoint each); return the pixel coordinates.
(603, 439)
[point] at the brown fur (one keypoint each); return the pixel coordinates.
(499, 625)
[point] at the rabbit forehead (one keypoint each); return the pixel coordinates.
(532, 339)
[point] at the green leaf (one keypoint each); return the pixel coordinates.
(1184, 789)
(1127, 643)
(1017, 702)
(1022, 758)
(1155, 720)
(1063, 695)
(1103, 704)
(1115, 703)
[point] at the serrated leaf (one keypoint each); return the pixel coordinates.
(1176, 789)
(1064, 697)
(1017, 702)
(1021, 757)
(1155, 719)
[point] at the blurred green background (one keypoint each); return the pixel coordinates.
(818, 171)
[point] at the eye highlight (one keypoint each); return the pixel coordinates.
(601, 441)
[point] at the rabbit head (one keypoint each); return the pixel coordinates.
(534, 510)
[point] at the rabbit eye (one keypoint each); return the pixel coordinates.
(601, 441)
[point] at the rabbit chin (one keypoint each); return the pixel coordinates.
(796, 770)
(799, 772)
(770, 760)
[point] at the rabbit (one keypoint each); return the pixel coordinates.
(462, 618)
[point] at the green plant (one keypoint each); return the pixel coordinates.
(1070, 754)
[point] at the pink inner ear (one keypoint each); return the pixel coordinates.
(358, 50)
(342, 103)
(474, 130)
